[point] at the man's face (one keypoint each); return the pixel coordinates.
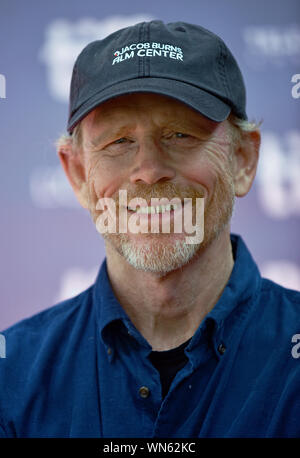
(154, 146)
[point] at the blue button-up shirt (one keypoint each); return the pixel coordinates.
(76, 369)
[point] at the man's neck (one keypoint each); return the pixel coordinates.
(168, 310)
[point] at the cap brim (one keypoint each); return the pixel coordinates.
(200, 100)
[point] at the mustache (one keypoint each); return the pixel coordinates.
(159, 191)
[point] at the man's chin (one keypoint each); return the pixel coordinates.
(155, 253)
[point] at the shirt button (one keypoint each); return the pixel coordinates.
(144, 392)
(221, 349)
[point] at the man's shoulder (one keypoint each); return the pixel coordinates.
(277, 315)
(279, 294)
(53, 320)
(39, 347)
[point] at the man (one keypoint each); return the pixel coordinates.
(177, 337)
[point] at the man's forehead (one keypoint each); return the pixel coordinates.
(125, 107)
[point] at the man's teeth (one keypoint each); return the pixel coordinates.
(154, 209)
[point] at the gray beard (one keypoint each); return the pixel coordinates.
(159, 257)
(157, 253)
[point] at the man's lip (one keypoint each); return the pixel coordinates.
(149, 205)
(143, 219)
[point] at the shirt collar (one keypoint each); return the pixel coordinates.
(108, 308)
(243, 285)
(235, 302)
(110, 313)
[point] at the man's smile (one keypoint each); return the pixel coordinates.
(151, 209)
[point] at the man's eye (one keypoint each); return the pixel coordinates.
(120, 140)
(181, 135)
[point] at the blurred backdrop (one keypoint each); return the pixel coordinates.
(50, 249)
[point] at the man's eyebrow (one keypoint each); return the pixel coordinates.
(191, 125)
(109, 133)
(175, 124)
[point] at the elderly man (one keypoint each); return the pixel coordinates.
(179, 336)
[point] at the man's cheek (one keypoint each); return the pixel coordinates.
(98, 191)
(95, 182)
(217, 157)
(202, 174)
(105, 182)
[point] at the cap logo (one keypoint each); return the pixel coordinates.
(147, 50)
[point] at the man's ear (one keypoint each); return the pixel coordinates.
(245, 161)
(72, 162)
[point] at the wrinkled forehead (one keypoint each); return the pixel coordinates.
(132, 107)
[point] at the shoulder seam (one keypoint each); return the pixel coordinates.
(58, 309)
(290, 293)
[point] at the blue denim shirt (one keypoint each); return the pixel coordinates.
(76, 369)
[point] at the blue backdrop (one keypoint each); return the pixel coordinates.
(50, 249)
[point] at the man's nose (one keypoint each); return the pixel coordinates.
(152, 164)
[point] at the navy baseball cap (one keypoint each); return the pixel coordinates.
(178, 60)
